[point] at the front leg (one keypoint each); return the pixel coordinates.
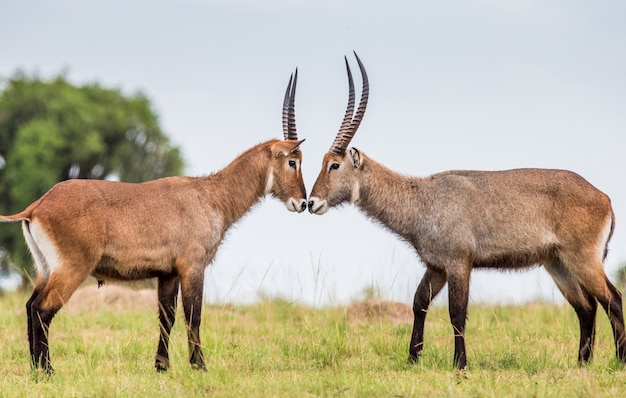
(192, 284)
(168, 297)
(431, 284)
(458, 290)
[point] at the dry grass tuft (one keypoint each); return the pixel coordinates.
(376, 310)
(110, 296)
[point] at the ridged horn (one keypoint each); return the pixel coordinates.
(289, 112)
(351, 123)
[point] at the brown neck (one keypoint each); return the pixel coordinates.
(235, 189)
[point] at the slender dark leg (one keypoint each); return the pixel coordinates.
(29, 320)
(430, 285)
(168, 295)
(583, 302)
(458, 289)
(41, 319)
(594, 285)
(58, 289)
(192, 287)
(613, 308)
(587, 321)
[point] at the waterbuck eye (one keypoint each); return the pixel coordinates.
(334, 166)
(292, 163)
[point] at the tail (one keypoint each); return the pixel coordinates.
(24, 215)
(608, 239)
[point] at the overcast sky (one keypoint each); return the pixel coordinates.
(477, 84)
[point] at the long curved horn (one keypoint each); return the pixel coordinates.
(351, 123)
(343, 136)
(289, 112)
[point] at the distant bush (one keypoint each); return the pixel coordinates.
(620, 277)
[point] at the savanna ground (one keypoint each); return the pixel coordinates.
(283, 349)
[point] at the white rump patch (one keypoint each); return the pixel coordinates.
(601, 245)
(269, 183)
(44, 249)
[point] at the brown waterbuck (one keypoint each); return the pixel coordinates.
(168, 228)
(461, 220)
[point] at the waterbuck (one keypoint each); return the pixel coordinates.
(461, 220)
(169, 228)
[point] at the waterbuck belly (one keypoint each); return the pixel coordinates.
(516, 259)
(109, 269)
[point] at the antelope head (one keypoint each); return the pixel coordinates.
(285, 175)
(338, 180)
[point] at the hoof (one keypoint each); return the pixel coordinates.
(161, 365)
(160, 368)
(198, 366)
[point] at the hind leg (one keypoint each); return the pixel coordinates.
(613, 308)
(29, 321)
(43, 273)
(587, 321)
(61, 284)
(584, 304)
(610, 299)
(589, 273)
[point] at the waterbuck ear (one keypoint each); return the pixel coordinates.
(284, 148)
(355, 157)
(296, 148)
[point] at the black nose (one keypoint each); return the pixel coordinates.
(303, 206)
(311, 205)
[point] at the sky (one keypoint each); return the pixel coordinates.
(476, 84)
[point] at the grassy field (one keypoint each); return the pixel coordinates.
(276, 348)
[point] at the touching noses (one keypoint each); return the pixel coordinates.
(297, 205)
(317, 206)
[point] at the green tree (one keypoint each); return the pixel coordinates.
(620, 276)
(52, 131)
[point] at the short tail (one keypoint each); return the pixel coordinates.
(608, 239)
(24, 215)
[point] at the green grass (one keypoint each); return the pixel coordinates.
(275, 348)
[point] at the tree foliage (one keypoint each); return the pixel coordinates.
(620, 276)
(52, 131)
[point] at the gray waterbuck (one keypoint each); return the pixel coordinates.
(461, 220)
